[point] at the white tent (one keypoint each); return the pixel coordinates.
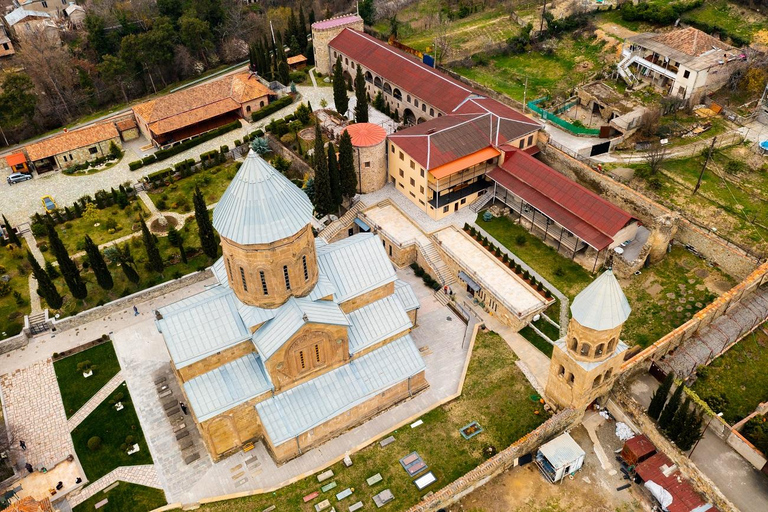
(661, 494)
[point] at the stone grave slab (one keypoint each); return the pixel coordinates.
(270, 508)
(322, 505)
(328, 487)
(425, 480)
(417, 424)
(373, 480)
(385, 442)
(356, 506)
(182, 434)
(101, 503)
(110, 487)
(191, 458)
(325, 476)
(346, 493)
(311, 496)
(383, 498)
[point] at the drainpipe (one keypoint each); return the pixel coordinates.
(409, 388)
(298, 446)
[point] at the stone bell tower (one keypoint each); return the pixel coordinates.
(266, 236)
(585, 363)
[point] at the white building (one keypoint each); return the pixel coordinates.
(559, 458)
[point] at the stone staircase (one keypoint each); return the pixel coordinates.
(332, 229)
(481, 201)
(441, 297)
(429, 251)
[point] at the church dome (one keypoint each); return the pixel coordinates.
(602, 305)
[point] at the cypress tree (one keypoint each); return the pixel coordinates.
(668, 414)
(176, 239)
(311, 16)
(45, 287)
(323, 193)
(302, 34)
(361, 109)
(333, 175)
(51, 270)
(12, 236)
(204, 225)
(67, 267)
(99, 266)
(691, 431)
(340, 99)
(150, 245)
(125, 258)
(347, 174)
(660, 396)
(677, 427)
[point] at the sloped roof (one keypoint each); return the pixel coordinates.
(577, 209)
(70, 140)
(16, 159)
(407, 296)
(29, 504)
(690, 41)
(296, 59)
(684, 496)
(366, 134)
(193, 116)
(602, 305)
(261, 205)
(20, 13)
(562, 451)
(314, 402)
(376, 322)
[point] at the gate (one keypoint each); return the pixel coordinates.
(38, 323)
(599, 149)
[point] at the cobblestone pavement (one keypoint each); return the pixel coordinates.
(141, 475)
(35, 414)
(95, 400)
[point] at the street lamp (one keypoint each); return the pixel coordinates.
(719, 415)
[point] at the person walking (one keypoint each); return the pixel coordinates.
(29, 467)
(135, 311)
(23, 445)
(183, 408)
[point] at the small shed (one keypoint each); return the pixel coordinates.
(297, 62)
(637, 450)
(17, 162)
(559, 458)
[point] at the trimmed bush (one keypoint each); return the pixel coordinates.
(148, 159)
(272, 108)
(135, 165)
(94, 443)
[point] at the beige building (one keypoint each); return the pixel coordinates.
(370, 154)
(6, 46)
(324, 31)
(72, 147)
(29, 24)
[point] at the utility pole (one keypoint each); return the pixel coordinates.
(704, 167)
(525, 93)
(273, 32)
(543, 12)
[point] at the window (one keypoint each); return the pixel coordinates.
(608, 374)
(64, 158)
(350, 232)
(390, 250)
(393, 149)
(612, 344)
(561, 371)
(431, 111)
(306, 270)
(597, 381)
(264, 288)
(446, 208)
(412, 195)
(242, 278)
(521, 144)
(415, 102)
(366, 164)
(571, 378)
(530, 140)
(248, 108)
(302, 361)
(421, 172)
(413, 182)
(45, 4)
(5, 46)
(261, 104)
(423, 107)
(317, 353)
(335, 53)
(421, 189)
(287, 277)
(346, 61)
(599, 350)
(402, 157)
(408, 98)
(229, 269)
(400, 184)
(686, 74)
(70, 156)
(413, 164)
(572, 344)
(402, 173)
(585, 348)
(463, 200)
(421, 202)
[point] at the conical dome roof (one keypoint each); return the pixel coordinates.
(602, 305)
(261, 205)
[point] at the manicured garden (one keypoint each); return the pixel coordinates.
(496, 395)
(75, 389)
(176, 196)
(14, 293)
(104, 437)
(126, 497)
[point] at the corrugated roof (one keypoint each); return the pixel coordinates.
(562, 451)
(376, 322)
(407, 296)
(314, 402)
(20, 13)
(577, 209)
(261, 205)
(602, 305)
(228, 385)
(355, 265)
(684, 497)
(70, 140)
(366, 134)
(323, 288)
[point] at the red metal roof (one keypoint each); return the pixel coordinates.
(16, 159)
(639, 447)
(366, 134)
(577, 209)
(684, 497)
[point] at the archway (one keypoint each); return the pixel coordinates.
(387, 88)
(409, 117)
(421, 120)
(377, 82)
(397, 94)
(368, 76)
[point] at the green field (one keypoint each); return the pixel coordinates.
(125, 497)
(13, 263)
(177, 197)
(728, 19)
(75, 389)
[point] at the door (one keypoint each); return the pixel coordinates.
(456, 206)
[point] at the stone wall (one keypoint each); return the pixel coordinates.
(297, 164)
(371, 167)
(733, 260)
(14, 342)
(504, 460)
(83, 154)
(746, 450)
(321, 38)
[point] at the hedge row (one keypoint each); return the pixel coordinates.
(271, 108)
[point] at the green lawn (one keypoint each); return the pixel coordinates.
(75, 389)
(736, 382)
(177, 197)
(113, 427)
(496, 395)
(536, 340)
(14, 264)
(727, 18)
(125, 497)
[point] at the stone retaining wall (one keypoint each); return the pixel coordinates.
(14, 342)
(297, 164)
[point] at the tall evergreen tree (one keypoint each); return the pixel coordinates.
(176, 239)
(333, 175)
(340, 99)
(677, 427)
(99, 266)
(67, 267)
(45, 287)
(347, 174)
(302, 35)
(367, 11)
(660, 396)
(323, 193)
(150, 245)
(311, 16)
(12, 236)
(51, 270)
(125, 259)
(691, 431)
(668, 414)
(204, 225)
(361, 109)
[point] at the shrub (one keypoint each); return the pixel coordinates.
(5, 288)
(162, 154)
(137, 164)
(559, 272)
(43, 247)
(520, 240)
(272, 108)
(148, 159)
(258, 133)
(94, 443)
(111, 224)
(736, 167)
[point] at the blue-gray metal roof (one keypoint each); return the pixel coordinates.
(406, 294)
(20, 13)
(562, 451)
(220, 272)
(376, 322)
(186, 303)
(602, 305)
(227, 386)
(290, 317)
(206, 323)
(323, 288)
(261, 205)
(355, 265)
(316, 401)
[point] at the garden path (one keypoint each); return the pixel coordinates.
(141, 475)
(95, 401)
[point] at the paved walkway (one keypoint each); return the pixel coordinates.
(141, 475)
(95, 400)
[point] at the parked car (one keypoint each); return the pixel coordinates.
(48, 203)
(18, 177)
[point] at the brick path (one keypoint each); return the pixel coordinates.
(35, 414)
(140, 475)
(95, 400)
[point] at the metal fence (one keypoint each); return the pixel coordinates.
(552, 117)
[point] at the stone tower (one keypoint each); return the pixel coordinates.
(585, 363)
(324, 31)
(266, 236)
(370, 152)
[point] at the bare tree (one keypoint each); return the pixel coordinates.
(649, 122)
(655, 156)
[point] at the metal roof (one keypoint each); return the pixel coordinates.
(355, 265)
(314, 402)
(220, 271)
(291, 317)
(261, 205)
(660, 469)
(20, 13)
(227, 386)
(602, 305)
(562, 451)
(376, 322)
(406, 295)
(323, 288)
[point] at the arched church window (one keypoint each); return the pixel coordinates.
(287, 277)
(599, 350)
(585, 348)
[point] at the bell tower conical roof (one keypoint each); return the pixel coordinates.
(602, 305)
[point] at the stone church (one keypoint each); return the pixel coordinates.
(299, 340)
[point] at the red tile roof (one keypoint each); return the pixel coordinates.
(16, 159)
(71, 139)
(366, 134)
(577, 209)
(684, 497)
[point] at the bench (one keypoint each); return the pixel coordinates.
(181, 435)
(159, 380)
(322, 505)
(373, 480)
(165, 393)
(170, 404)
(346, 493)
(187, 443)
(310, 497)
(110, 487)
(356, 506)
(328, 487)
(173, 411)
(325, 476)
(385, 442)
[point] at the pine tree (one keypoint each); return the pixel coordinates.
(99, 266)
(176, 239)
(677, 427)
(150, 245)
(361, 108)
(67, 267)
(660, 397)
(323, 193)
(691, 431)
(668, 414)
(347, 174)
(204, 226)
(125, 258)
(45, 287)
(333, 175)
(12, 236)
(340, 99)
